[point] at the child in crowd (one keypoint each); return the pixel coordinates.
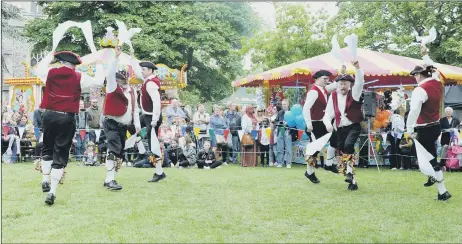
(90, 156)
(174, 153)
(189, 153)
(206, 158)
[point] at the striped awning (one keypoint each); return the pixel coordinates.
(387, 69)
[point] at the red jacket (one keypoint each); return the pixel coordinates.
(146, 100)
(430, 111)
(352, 109)
(62, 91)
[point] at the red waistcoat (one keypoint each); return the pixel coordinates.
(352, 109)
(319, 106)
(115, 103)
(430, 111)
(146, 100)
(62, 90)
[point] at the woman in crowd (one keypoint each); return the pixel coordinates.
(406, 149)
(201, 120)
(174, 154)
(219, 124)
(206, 158)
(166, 135)
(249, 123)
(272, 147)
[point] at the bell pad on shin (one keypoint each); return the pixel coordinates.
(118, 164)
(38, 166)
(61, 181)
(311, 160)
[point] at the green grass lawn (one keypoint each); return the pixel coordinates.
(230, 204)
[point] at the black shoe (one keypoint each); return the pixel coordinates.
(50, 200)
(45, 186)
(112, 185)
(334, 169)
(312, 177)
(444, 197)
(352, 187)
(349, 178)
(157, 178)
(430, 181)
(328, 168)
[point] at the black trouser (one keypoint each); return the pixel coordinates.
(213, 165)
(223, 150)
(147, 121)
(38, 150)
(264, 153)
(183, 163)
(115, 135)
(347, 137)
(395, 152)
(406, 159)
(58, 132)
(445, 138)
(144, 163)
(427, 136)
(319, 130)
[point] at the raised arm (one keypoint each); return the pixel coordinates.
(136, 115)
(42, 68)
(87, 81)
(419, 96)
(359, 83)
(329, 115)
(310, 100)
(332, 87)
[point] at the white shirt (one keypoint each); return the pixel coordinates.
(246, 124)
(86, 81)
(311, 99)
(153, 91)
(356, 91)
(111, 86)
(418, 97)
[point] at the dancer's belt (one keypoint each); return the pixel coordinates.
(115, 121)
(428, 125)
(60, 112)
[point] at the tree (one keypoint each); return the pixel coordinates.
(387, 27)
(9, 12)
(298, 35)
(205, 35)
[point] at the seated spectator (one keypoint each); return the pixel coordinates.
(206, 158)
(90, 156)
(143, 162)
(201, 120)
(166, 135)
(174, 112)
(174, 153)
(189, 153)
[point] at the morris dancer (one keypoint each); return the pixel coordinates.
(345, 106)
(151, 109)
(61, 101)
(120, 110)
(424, 117)
(313, 111)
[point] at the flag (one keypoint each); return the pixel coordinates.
(241, 134)
(282, 130)
(128, 134)
(82, 134)
(268, 132)
(36, 133)
(226, 133)
(255, 134)
(5, 130)
(97, 133)
(406, 135)
(196, 131)
(300, 134)
(21, 131)
(452, 135)
(212, 133)
(183, 130)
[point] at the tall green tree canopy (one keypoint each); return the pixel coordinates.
(207, 34)
(9, 12)
(388, 27)
(298, 35)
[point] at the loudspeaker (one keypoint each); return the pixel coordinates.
(370, 103)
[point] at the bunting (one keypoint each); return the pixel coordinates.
(128, 134)
(241, 134)
(196, 131)
(226, 133)
(255, 134)
(212, 133)
(268, 132)
(183, 130)
(97, 133)
(300, 135)
(82, 134)
(36, 133)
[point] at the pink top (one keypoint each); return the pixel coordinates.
(168, 136)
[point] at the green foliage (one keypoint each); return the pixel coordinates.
(298, 35)
(387, 27)
(173, 33)
(9, 12)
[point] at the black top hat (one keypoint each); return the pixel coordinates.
(345, 77)
(321, 73)
(121, 74)
(69, 57)
(427, 69)
(148, 65)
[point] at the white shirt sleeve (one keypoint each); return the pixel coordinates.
(332, 87)
(329, 114)
(419, 96)
(42, 68)
(87, 81)
(111, 84)
(428, 60)
(136, 115)
(153, 91)
(310, 100)
(358, 86)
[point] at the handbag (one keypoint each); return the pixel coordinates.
(220, 139)
(452, 156)
(247, 140)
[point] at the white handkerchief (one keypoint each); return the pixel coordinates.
(352, 42)
(155, 145)
(318, 144)
(335, 51)
(424, 158)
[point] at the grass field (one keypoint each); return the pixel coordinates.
(230, 204)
